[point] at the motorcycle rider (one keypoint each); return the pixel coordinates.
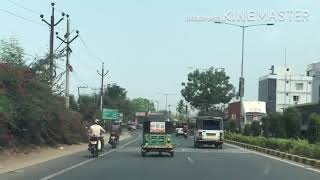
(96, 130)
(115, 131)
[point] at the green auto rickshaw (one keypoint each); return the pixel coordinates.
(157, 137)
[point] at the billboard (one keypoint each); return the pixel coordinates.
(110, 114)
(157, 127)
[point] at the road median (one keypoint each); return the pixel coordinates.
(283, 155)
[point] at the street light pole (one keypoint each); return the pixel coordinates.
(166, 94)
(241, 80)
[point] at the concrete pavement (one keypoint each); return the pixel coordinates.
(126, 162)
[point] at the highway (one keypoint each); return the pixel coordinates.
(126, 162)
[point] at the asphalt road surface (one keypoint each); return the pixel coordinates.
(126, 162)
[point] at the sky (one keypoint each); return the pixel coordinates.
(149, 46)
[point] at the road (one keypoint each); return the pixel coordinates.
(126, 162)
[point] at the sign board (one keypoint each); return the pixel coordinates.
(254, 107)
(141, 114)
(110, 114)
(157, 127)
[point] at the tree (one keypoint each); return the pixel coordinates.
(265, 126)
(255, 128)
(233, 126)
(293, 121)
(88, 107)
(11, 52)
(115, 97)
(277, 125)
(314, 128)
(142, 105)
(247, 130)
(181, 107)
(73, 103)
(205, 89)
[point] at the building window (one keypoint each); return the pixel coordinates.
(299, 86)
(296, 98)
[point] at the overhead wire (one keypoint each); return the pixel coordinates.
(89, 52)
(21, 17)
(23, 7)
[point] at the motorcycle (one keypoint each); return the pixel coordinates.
(113, 141)
(185, 132)
(94, 146)
(185, 135)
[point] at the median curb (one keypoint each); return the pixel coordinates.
(303, 160)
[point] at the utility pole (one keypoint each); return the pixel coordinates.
(95, 93)
(166, 95)
(80, 87)
(68, 66)
(51, 25)
(101, 90)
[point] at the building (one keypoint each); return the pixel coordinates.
(281, 89)
(313, 70)
(251, 111)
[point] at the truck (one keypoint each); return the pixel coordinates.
(251, 111)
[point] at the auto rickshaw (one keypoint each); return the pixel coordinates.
(157, 137)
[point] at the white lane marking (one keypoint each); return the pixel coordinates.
(82, 163)
(190, 159)
(312, 169)
(278, 159)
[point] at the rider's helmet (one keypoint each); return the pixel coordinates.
(96, 121)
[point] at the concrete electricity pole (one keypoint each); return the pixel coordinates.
(51, 25)
(166, 95)
(101, 90)
(80, 87)
(68, 66)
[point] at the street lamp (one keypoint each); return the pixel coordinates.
(166, 95)
(241, 80)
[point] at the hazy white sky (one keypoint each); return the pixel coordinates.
(148, 45)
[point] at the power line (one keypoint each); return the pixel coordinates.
(89, 52)
(23, 7)
(21, 17)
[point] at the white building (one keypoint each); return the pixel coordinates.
(313, 70)
(281, 89)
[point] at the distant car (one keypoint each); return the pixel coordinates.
(132, 127)
(139, 126)
(179, 131)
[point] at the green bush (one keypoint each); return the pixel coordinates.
(292, 146)
(314, 128)
(292, 118)
(33, 114)
(233, 126)
(255, 128)
(277, 125)
(247, 130)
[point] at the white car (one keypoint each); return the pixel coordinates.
(132, 127)
(209, 131)
(179, 131)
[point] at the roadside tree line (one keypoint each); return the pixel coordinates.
(284, 125)
(33, 112)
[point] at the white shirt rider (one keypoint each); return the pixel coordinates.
(96, 129)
